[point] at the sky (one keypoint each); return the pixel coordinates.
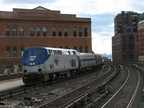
(101, 12)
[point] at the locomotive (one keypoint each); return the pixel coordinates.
(41, 64)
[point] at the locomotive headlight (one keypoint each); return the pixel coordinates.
(32, 63)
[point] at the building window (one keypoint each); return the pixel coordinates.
(65, 31)
(124, 47)
(74, 32)
(21, 51)
(7, 30)
(15, 54)
(80, 31)
(8, 52)
(59, 31)
(75, 47)
(130, 46)
(134, 29)
(38, 31)
(21, 30)
(44, 31)
(80, 49)
(53, 31)
(124, 39)
(130, 38)
(86, 49)
(85, 32)
(14, 31)
(31, 31)
(128, 29)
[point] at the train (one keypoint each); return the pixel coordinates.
(42, 64)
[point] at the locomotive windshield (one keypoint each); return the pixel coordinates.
(39, 52)
(27, 52)
(34, 56)
(34, 52)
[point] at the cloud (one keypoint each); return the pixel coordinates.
(105, 30)
(102, 40)
(91, 7)
(101, 44)
(101, 12)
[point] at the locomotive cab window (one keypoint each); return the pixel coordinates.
(55, 52)
(69, 52)
(27, 53)
(52, 52)
(49, 51)
(59, 52)
(74, 52)
(39, 52)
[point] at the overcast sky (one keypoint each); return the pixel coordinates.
(101, 12)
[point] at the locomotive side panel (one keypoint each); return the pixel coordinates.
(51, 64)
(59, 63)
(45, 63)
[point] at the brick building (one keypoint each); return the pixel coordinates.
(124, 42)
(24, 28)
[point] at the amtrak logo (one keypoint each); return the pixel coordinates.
(56, 61)
(32, 58)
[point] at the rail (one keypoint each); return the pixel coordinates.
(113, 98)
(83, 96)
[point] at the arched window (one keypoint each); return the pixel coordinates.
(21, 31)
(74, 32)
(65, 31)
(7, 30)
(53, 31)
(80, 31)
(85, 32)
(31, 31)
(38, 31)
(59, 31)
(44, 31)
(14, 31)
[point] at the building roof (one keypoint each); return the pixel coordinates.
(40, 13)
(40, 8)
(128, 12)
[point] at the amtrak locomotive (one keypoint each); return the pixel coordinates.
(42, 64)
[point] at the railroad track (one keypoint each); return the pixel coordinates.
(125, 95)
(8, 93)
(81, 95)
(24, 93)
